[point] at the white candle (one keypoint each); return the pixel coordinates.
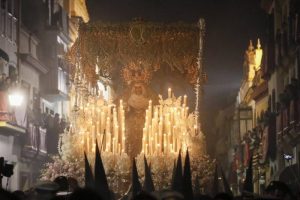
(114, 145)
(123, 144)
(185, 100)
(108, 141)
(169, 93)
(165, 143)
(186, 112)
(146, 150)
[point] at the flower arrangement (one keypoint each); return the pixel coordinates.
(61, 167)
(202, 166)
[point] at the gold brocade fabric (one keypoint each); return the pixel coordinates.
(138, 45)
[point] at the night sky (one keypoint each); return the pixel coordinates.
(230, 25)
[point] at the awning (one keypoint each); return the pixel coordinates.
(11, 129)
(4, 55)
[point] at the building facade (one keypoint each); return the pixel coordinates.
(34, 36)
(267, 110)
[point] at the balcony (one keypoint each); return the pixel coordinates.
(60, 22)
(35, 142)
(8, 124)
(28, 58)
(288, 125)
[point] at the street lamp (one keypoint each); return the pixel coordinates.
(15, 97)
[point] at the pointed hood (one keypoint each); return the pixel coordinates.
(101, 183)
(187, 178)
(88, 175)
(148, 183)
(248, 184)
(215, 186)
(225, 183)
(178, 179)
(135, 183)
(173, 173)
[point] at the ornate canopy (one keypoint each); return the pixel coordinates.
(135, 50)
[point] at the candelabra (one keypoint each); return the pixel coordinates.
(167, 126)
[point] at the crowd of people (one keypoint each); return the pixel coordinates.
(63, 188)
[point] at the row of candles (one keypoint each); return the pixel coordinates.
(166, 127)
(165, 130)
(103, 122)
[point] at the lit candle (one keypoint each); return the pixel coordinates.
(165, 143)
(114, 145)
(195, 129)
(185, 100)
(186, 112)
(88, 143)
(160, 135)
(93, 132)
(169, 93)
(123, 144)
(108, 111)
(102, 122)
(160, 110)
(98, 127)
(116, 136)
(151, 145)
(108, 141)
(146, 150)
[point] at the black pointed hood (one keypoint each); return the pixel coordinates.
(178, 178)
(148, 183)
(187, 178)
(88, 175)
(101, 184)
(215, 186)
(136, 185)
(248, 184)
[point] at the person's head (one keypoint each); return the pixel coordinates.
(202, 197)
(19, 194)
(279, 189)
(85, 193)
(73, 184)
(46, 190)
(62, 181)
(144, 196)
(223, 196)
(171, 195)
(6, 195)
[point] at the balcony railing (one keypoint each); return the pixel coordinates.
(35, 143)
(8, 123)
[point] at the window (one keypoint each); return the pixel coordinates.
(10, 18)
(12, 73)
(7, 18)
(26, 89)
(35, 98)
(62, 80)
(245, 120)
(10, 5)
(3, 6)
